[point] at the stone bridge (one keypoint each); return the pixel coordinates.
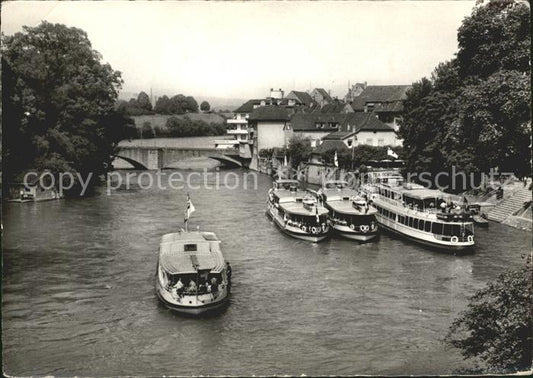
(163, 152)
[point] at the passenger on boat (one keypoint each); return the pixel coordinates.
(178, 286)
(192, 286)
(214, 285)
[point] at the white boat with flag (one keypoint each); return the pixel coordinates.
(192, 275)
(350, 214)
(427, 216)
(296, 212)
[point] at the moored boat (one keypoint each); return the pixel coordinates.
(350, 214)
(297, 213)
(426, 216)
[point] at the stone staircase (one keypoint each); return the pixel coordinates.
(513, 201)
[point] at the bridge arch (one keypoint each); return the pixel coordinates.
(134, 163)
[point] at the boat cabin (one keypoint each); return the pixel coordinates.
(290, 185)
(195, 259)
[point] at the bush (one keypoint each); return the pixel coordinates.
(496, 326)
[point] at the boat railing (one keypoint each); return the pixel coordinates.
(425, 213)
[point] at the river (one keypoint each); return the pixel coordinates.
(78, 291)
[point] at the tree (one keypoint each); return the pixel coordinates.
(204, 106)
(146, 130)
(299, 149)
(496, 36)
(163, 105)
(144, 103)
(497, 325)
(474, 113)
(59, 103)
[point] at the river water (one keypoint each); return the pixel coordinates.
(78, 291)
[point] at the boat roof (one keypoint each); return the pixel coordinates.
(346, 207)
(335, 194)
(299, 209)
(287, 181)
(418, 191)
(334, 182)
(183, 252)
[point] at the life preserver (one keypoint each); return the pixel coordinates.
(314, 230)
(364, 228)
(470, 238)
(352, 227)
(304, 228)
(454, 239)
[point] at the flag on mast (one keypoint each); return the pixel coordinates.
(285, 161)
(390, 152)
(189, 210)
(335, 160)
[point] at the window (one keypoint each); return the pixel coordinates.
(421, 225)
(350, 141)
(369, 141)
(437, 228)
(189, 248)
(415, 223)
(427, 227)
(410, 222)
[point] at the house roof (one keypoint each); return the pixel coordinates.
(333, 107)
(328, 145)
(304, 97)
(324, 93)
(352, 122)
(269, 113)
(248, 106)
(380, 93)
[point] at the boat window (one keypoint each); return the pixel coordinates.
(437, 228)
(190, 248)
(456, 230)
(427, 227)
(410, 222)
(447, 229)
(421, 225)
(415, 223)
(386, 213)
(392, 215)
(401, 219)
(469, 228)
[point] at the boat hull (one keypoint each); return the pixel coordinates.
(190, 309)
(447, 248)
(353, 235)
(314, 238)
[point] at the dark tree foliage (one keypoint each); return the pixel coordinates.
(204, 106)
(497, 36)
(143, 102)
(185, 127)
(299, 150)
(163, 105)
(497, 325)
(146, 131)
(58, 103)
(474, 113)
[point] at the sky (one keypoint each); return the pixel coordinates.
(233, 49)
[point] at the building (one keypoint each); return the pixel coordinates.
(354, 91)
(320, 96)
(384, 100)
(350, 129)
(303, 98)
(268, 128)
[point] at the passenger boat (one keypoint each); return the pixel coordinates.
(424, 215)
(297, 213)
(192, 276)
(350, 214)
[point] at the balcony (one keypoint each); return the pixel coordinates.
(236, 131)
(233, 121)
